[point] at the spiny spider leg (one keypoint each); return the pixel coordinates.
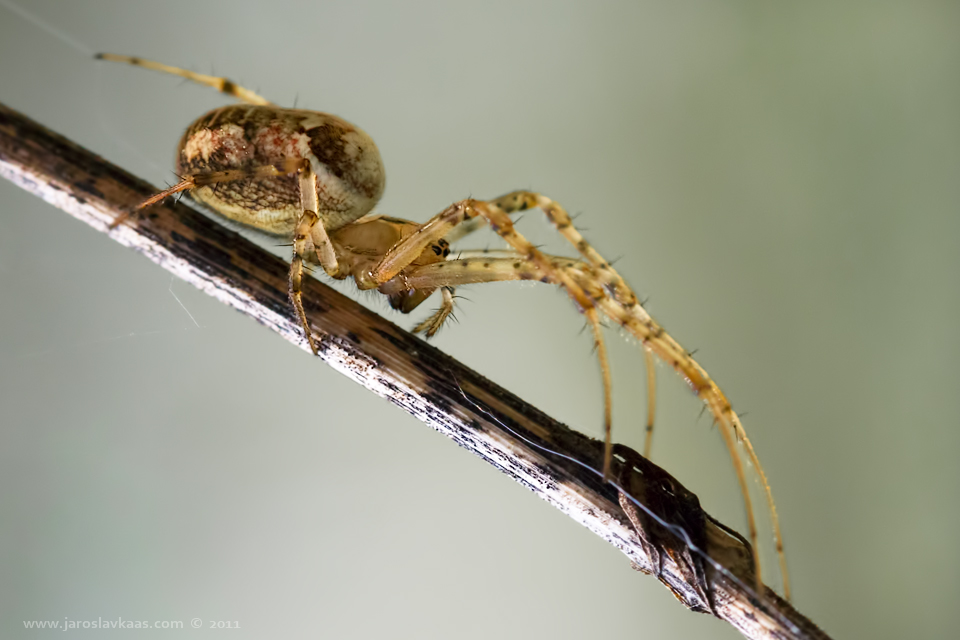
(187, 183)
(622, 305)
(307, 224)
(405, 251)
(284, 168)
(521, 200)
(730, 427)
(223, 85)
(651, 399)
(477, 267)
(432, 324)
(496, 212)
(702, 384)
(606, 290)
(463, 271)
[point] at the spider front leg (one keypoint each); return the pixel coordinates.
(606, 290)
(472, 267)
(466, 216)
(406, 251)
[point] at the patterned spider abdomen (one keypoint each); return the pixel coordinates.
(350, 175)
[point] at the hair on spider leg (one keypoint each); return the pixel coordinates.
(703, 410)
(594, 343)
(183, 81)
(583, 328)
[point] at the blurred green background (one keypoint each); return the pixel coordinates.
(781, 179)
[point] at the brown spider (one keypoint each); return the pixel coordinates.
(315, 178)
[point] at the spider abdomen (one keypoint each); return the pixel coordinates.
(350, 175)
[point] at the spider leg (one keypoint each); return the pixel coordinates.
(453, 273)
(308, 222)
(588, 292)
(223, 85)
(307, 226)
(462, 217)
(323, 246)
(431, 325)
(656, 340)
(651, 399)
(475, 269)
(515, 267)
(403, 253)
(556, 214)
(326, 255)
(585, 298)
(451, 224)
(523, 200)
(462, 254)
(282, 168)
(464, 229)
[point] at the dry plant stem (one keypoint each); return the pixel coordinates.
(480, 416)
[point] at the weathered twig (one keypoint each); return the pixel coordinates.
(553, 461)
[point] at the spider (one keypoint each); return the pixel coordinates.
(315, 178)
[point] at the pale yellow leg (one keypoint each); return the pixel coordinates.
(623, 296)
(585, 300)
(617, 301)
(472, 267)
(308, 224)
(222, 85)
(308, 219)
(651, 400)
